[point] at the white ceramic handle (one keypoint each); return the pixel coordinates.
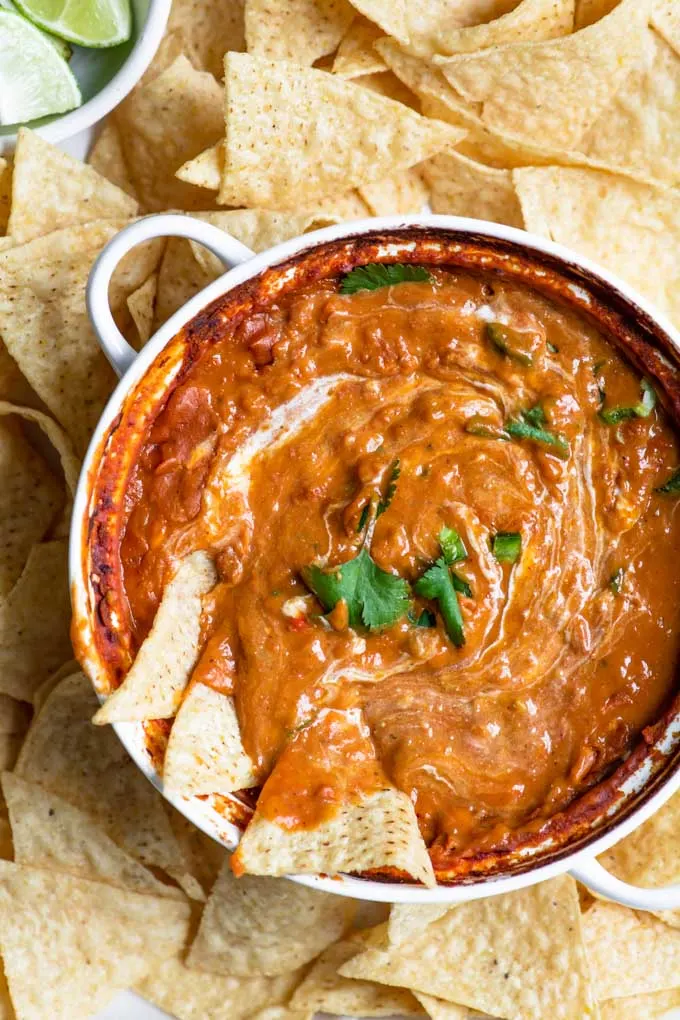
(595, 877)
(114, 345)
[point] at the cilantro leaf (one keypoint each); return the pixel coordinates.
(374, 597)
(380, 274)
(530, 425)
(672, 485)
(436, 583)
(391, 489)
(509, 342)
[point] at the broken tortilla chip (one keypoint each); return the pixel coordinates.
(189, 993)
(205, 752)
(633, 229)
(630, 953)
(154, 686)
(93, 940)
(529, 21)
(423, 29)
(517, 954)
(279, 119)
(462, 187)
(50, 834)
(637, 1007)
(398, 194)
(407, 920)
(30, 498)
(554, 91)
(325, 990)
(356, 54)
(154, 148)
(34, 621)
(70, 192)
(107, 158)
(373, 825)
(301, 32)
(141, 304)
(205, 31)
(245, 929)
(89, 767)
(640, 128)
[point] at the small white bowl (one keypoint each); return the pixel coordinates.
(105, 75)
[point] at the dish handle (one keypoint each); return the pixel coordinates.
(599, 881)
(112, 342)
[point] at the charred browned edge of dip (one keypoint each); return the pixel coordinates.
(566, 809)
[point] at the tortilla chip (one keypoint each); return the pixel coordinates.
(649, 856)
(386, 84)
(51, 834)
(51, 189)
(155, 146)
(641, 1007)
(253, 926)
(207, 31)
(188, 267)
(300, 32)
(518, 954)
(356, 55)
(6, 854)
(376, 829)
(407, 920)
(630, 953)
(439, 1009)
(282, 1013)
(154, 686)
(401, 193)
(424, 28)
(10, 745)
(590, 11)
(204, 856)
(107, 158)
(461, 187)
(193, 995)
(89, 767)
(30, 497)
(92, 941)
(141, 304)
(34, 622)
(205, 753)
(631, 228)
(640, 128)
(326, 991)
(14, 716)
(341, 208)
(206, 169)
(5, 193)
(666, 20)
(44, 323)
(279, 119)
(529, 21)
(13, 385)
(554, 91)
(70, 464)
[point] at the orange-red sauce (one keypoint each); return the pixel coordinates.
(559, 673)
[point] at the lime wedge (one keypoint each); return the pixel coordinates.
(34, 79)
(85, 22)
(61, 46)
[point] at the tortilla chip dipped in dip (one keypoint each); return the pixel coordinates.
(394, 564)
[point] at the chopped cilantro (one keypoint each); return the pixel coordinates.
(616, 581)
(426, 619)
(364, 517)
(530, 425)
(643, 408)
(374, 597)
(672, 485)
(391, 489)
(380, 274)
(436, 583)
